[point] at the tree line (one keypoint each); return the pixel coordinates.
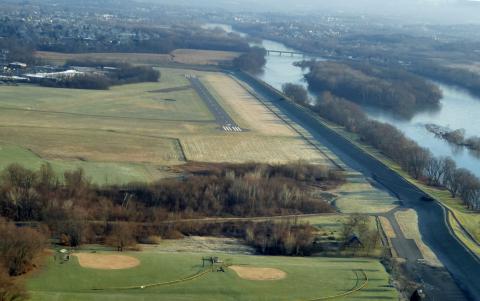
(68, 204)
(456, 76)
(392, 89)
(251, 61)
(106, 74)
(418, 161)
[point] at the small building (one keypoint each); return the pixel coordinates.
(17, 65)
(353, 242)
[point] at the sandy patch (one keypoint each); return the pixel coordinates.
(202, 57)
(106, 262)
(258, 274)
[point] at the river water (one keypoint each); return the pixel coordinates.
(458, 108)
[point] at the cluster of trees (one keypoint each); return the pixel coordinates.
(456, 137)
(251, 61)
(281, 238)
(17, 52)
(456, 76)
(106, 74)
(119, 73)
(419, 162)
(296, 92)
(19, 249)
(78, 81)
(392, 89)
(358, 226)
(68, 205)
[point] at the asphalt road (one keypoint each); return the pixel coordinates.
(221, 116)
(462, 265)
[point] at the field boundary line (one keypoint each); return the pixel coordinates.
(347, 293)
(182, 150)
(384, 237)
(172, 282)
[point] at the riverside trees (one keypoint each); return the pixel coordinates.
(392, 89)
(414, 159)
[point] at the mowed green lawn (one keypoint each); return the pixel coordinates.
(124, 134)
(307, 278)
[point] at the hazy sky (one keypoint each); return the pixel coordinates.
(451, 11)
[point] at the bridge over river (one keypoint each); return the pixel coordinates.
(284, 52)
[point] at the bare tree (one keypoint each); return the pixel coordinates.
(121, 236)
(19, 247)
(10, 290)
(435, 170)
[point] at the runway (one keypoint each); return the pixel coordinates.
(226, 122)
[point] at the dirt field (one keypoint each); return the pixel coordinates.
(258, 274)
(202, 57)
(106, 262)
(408, 221)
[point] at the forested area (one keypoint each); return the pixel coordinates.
(392, 89)
(454, 76)
(419, 162)
(233, 190)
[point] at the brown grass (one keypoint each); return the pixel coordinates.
(408, 221)
(106, 262)
(387, 227)
(240, 148)
(247, 110)
(258, 274)
(202, 57)
(134, 58)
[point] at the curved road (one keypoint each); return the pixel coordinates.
(463, 266)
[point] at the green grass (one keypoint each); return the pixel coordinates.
(119, 135)
(307, 278)
(98, 172)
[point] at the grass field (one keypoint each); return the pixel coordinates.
(135, 132)
(306, 278)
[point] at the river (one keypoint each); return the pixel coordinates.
(458, 108)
